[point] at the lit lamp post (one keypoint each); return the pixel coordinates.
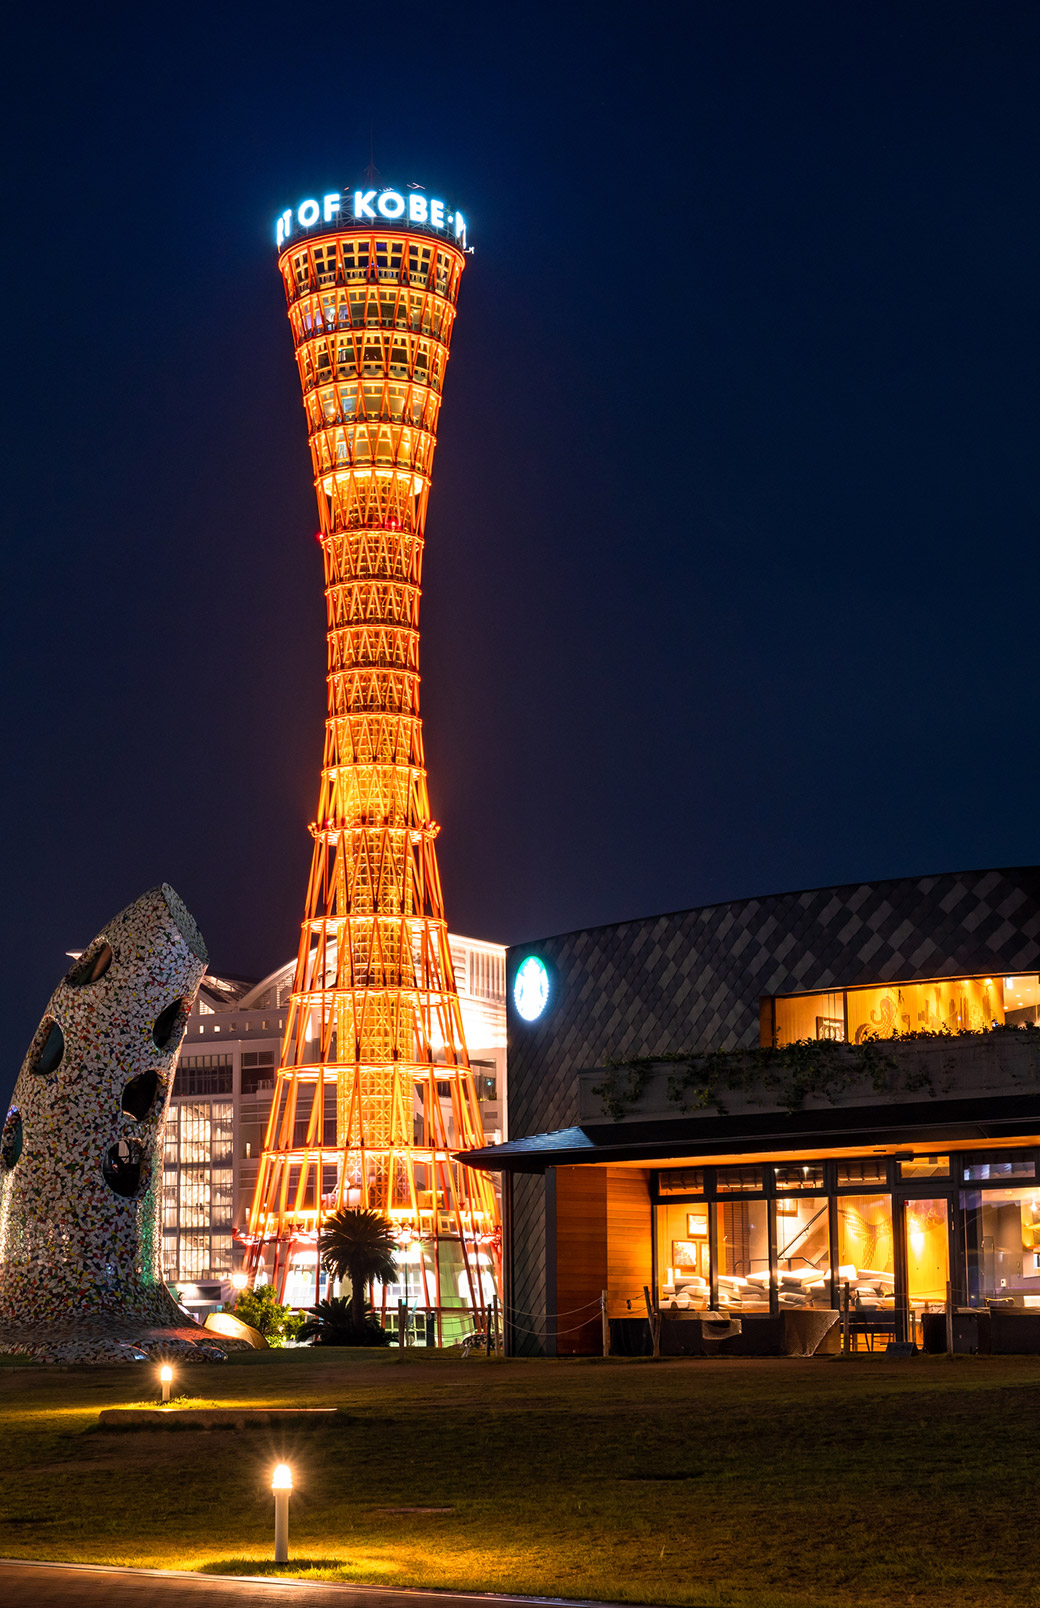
(281, 1485)
(165, 1379)
(239, 1282)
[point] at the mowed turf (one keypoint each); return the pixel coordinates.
(758, 1484)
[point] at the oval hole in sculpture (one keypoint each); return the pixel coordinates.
(93, 965)
(139, 1095)
(11, 1138)
(121, 1168)
(170, 1024)
(50, 1048)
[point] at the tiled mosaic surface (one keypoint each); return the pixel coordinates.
(693, 979)
(80, 1172)
(106, 1341)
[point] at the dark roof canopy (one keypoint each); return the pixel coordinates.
(657, 1143)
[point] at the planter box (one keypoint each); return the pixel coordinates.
(997, 1064)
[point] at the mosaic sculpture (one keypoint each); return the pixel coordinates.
(82, 1146)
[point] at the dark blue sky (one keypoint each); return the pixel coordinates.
(731, 540)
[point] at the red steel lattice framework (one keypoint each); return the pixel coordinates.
(374, 1023)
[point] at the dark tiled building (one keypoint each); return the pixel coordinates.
(849, 965)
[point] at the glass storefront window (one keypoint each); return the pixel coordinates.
(874, 1170)
(683, 1258)
(981, 1172)
(728, 1228)
(865, 1250)
(800, 1175)
(943, 1004)
(743, 1232)
(810, 1016)
(1022, 1000)
(927, 1252)
(1002, 1245)
(925, 1167)
(950, 1004)
(681, 1181)
(734, 1180)
(803, 1260)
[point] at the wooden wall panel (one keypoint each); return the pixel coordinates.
(629, 1254)
(581, 1259)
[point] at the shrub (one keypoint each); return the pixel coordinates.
(332, 1323)
(263, 1311)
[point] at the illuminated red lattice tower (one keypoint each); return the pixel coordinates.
(374, 1088)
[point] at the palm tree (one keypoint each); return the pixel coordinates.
(358, 1245)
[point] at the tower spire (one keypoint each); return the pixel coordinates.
(374, 1090)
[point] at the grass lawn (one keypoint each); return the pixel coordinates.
(757, 1484)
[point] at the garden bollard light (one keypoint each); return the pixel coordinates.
(165, 1379)
(281, 1485)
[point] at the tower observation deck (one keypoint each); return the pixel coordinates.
(374, 1089)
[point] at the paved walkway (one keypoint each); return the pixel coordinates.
(79, 1585)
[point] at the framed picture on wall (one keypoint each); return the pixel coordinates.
(684, 1256)
(697, 1223)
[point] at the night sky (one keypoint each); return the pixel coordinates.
(728, 581)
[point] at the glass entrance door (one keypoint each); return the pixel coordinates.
(866, 1267)
(927, 1229)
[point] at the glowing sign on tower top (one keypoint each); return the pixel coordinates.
(343, 209)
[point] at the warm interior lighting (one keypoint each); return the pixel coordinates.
(944, 1004)
(281, 1479)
